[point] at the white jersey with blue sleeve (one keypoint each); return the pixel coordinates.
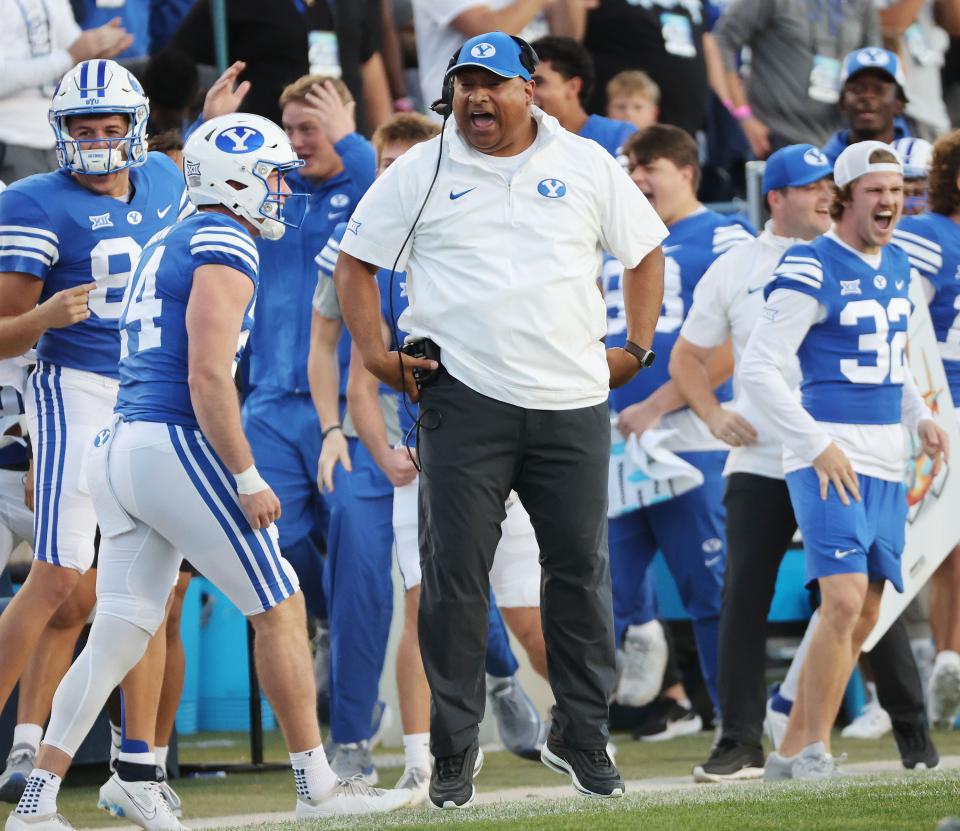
(932, 242)
(851, 359)
(54, 229)
(153, 328)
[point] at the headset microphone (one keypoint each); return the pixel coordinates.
(441, 108)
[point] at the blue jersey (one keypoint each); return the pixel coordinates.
(399, 304)
(58, 231)
(326, 261)
(932, 243)
(609, 133)
(852, 360)
(281, 334)
(153, 325)
(693, 244)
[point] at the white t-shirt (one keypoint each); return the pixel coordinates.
(503, 276)
(34, 37)
(727, 303)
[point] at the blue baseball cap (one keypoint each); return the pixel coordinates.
(877, 59)
(795, 166)
(495, 51)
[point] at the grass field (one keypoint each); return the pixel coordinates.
(888, 801)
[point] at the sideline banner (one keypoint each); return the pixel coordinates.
(933, 520)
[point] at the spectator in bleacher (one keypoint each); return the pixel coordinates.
(270, 37)
(165, 18)
(134, 16)
(633, 96)
(796, 47)
(662, 37)
(872, 98)
(920, 33)
(564, 82)
(171, 82)
(760, 524)
(442, 26)
(39, 41)
(916, 155)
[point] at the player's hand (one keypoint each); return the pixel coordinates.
(335, 449)
(398, 466)
(731, 428)
(104, 41)
(758, 135)
(260, 508)
(337, 119)
(28, 487)
(386, 366)
(622, 365)
(834, 468)
(936, 443)
(66, 307)
(222, 98)
(638, 418)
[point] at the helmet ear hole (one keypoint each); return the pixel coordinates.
(236, 185)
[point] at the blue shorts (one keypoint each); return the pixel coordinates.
(865, 537)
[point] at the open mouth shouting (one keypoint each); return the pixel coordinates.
(482, 121)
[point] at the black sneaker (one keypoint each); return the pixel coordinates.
(592, 771)
(915, 745)
(731, 761)
(668, 719)
(451, 784)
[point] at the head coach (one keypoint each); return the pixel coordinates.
(499, 223)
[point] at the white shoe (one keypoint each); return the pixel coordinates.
(13, 781)
(778, 767)
(173, 798)
(417, 782)
(873, 723)
(775, 725)
(143, 803)
(48, 822)
(643, 661)
(945, 687)
(353, 796)
(814, 762)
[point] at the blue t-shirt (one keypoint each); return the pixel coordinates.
(63, 234)
(852, 361)
(609, 133)
(932, 243)
(134, 17)
(840, 140)
(153, 326)
(281, 334)
(693, 244)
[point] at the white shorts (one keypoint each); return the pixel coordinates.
(181, 498)
(65, 409)
(16, 520)
(515, 575)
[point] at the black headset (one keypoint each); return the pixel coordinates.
(443, 106)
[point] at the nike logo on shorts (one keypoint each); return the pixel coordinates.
(841, 554)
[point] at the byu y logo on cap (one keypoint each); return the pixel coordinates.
(551, 188)
(483, 50)
(240, 140)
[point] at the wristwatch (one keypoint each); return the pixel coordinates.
(645, 357)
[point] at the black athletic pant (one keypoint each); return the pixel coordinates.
(474, 450)
(760, 526)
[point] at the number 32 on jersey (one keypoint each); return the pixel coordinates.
(884, 345)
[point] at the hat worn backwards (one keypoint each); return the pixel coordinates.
(854, 162)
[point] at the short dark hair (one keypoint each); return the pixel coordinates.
(943, 196)
(570, 59)
(409, 128)
(166, 141)
(664, 141)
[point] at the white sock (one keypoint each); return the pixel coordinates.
(148, 758)
(312, 773)
(788, 689)
(416, 751)
(871, 691)
(40, 795)
(116, 738)
(161, 754)
(28, 734)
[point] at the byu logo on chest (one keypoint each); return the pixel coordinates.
(551, 188)
(240, 140)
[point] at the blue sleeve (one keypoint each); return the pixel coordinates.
(326, 260)
(29, 243)
(800, 269)
(919, 241)
(219, 244)
(358, 159)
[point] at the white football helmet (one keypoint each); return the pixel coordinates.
(916, 155)
(228, 161)
(100, 87)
